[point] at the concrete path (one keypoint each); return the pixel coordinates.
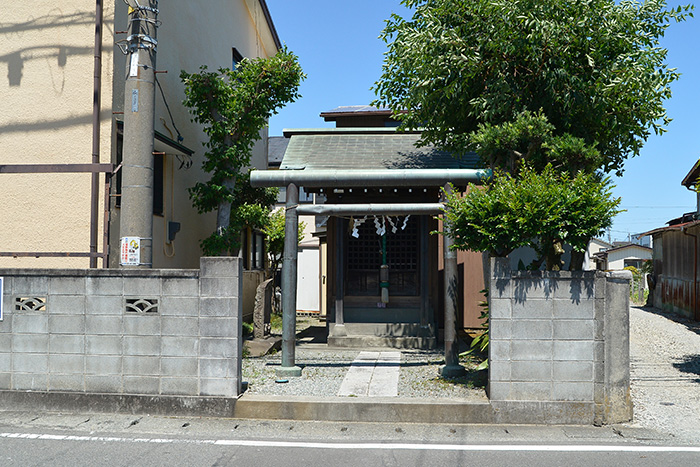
(374, 374)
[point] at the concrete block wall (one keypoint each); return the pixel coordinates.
(559, 346)
(113, 331)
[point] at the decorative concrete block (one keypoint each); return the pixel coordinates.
(179, 346)
(218, 287)
(104, 286)
(218, 367)
(569, 371)
(103, 325)
(30, 323)
(179, 306)
(572, 391)
(104, 384)
(574, 329)
(531, 371)
(532, 309)
(141, 345)
(67, 364)
(500, 308)
(142, 287)
(218, 387)
(531, 349)
(181, 287)
(103, 345)
(219, 348)
(173, 326)
(141, 385)
(141, 366)
(66, 285)
(104, 305)
(565, 309)
(29, 285)
(66, 304)
(179, 366)
(218, 327)
(531, 391)
(30, 382)
(34, 363)
(30, 343)
(532, 329)
(67, 324)
(103, 365)
(73, 383)
(138, 324)
(574, 350)
(221, 307)
(179, 386)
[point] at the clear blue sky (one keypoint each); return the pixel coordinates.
(338, 48)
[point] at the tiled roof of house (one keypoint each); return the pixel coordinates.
(366, 148)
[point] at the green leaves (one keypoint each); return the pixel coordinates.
(233, 106)
(542, 210)
(595, 68)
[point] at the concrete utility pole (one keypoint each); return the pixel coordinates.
(136, 221)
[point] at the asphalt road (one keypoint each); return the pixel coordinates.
(123, 440)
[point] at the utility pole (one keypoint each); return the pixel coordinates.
(136, 218)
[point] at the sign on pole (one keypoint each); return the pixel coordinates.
(130, 254)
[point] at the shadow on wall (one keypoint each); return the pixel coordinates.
(19, 33)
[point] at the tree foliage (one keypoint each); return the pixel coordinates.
(274, 237)
(233, 106)
(538, 209)
(593, 68)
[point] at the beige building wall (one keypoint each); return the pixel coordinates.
(46, 53)
(191, 34)
(46, 84)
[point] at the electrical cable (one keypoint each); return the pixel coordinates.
(167, 107)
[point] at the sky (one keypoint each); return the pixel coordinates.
(339, 49)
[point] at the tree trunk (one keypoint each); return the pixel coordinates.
(577, 258)
(553, 256)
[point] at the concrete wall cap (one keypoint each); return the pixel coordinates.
(624, 275)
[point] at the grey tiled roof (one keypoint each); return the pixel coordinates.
(276, 146)
(361, 149)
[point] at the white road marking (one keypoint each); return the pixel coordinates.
(359, 446)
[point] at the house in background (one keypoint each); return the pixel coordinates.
(675, 259)
(623, 255)
(46, 119)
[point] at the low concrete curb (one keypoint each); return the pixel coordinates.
(375, 409)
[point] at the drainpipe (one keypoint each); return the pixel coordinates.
(695, 272)
(96, 104)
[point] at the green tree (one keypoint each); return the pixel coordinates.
(593, 68)
(274, 238)
(538, 209)
(233, 106)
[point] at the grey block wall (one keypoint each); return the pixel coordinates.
(559, 346)
(153, 332)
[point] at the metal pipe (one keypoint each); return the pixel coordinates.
(96, 107)
(371, 208)
(289, 283)
(368, 178)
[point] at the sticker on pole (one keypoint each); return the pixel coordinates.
(130, 251)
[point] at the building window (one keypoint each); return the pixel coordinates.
(236, 58)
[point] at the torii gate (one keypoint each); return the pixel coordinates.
(320, 178)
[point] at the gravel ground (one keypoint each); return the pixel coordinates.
(324, 370)
(665, 370)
